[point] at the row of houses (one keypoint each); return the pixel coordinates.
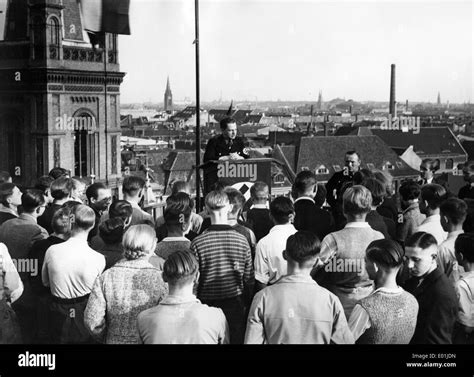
(396, 152)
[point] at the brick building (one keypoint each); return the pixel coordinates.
(59, 97)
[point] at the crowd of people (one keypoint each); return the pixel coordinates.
(348, 262)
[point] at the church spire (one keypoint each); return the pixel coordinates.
(168, 100)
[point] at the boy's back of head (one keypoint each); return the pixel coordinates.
(464, 244)
(132, 185)
(259, 192)
(61, 188)
(177, 215)
(84, 218)
(409, 190)
(216, 200)
(236, 199)
(357, 200)
(303, 247)
(305, 182)
(181, 267)
(282, 210)
(32, 199)
(433, 194)
(455, 210)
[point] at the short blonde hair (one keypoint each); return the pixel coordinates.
(216, 200)
(357, 200)
(138, 241)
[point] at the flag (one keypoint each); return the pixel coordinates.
(106, 16)
(231, 109)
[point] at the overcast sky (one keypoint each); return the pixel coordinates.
(289, 50)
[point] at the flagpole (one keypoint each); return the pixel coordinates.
(198, 108)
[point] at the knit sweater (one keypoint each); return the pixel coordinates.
(392, 317)
(118, 296)
(225, 263)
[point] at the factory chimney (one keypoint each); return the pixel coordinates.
(392, 91)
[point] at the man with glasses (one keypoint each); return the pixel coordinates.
(99, 198)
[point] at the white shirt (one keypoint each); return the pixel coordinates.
(432, 225)
(465, 293)
(70, 268)
(269, 262)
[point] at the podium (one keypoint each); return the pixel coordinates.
(241, 174)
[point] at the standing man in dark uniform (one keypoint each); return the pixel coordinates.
(337, 181)
(226, 146)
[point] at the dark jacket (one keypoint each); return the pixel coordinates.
(438, 308)
(308, 216)
(218, 146)
(46, 218)
(334, 185)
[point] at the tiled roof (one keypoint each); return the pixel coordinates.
(329, 152)
(430, 140)
(468, 145)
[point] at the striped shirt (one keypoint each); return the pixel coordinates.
(225, 263)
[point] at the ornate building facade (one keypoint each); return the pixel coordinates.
(59, 97)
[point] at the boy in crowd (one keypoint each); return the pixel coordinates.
(177, 217)
(258, 216)
(464, 328)
(196, 220)
(70, 269)
(237, 200)
(225, 266)
(453, 213)
(308, 216)
(388, 314)
(376, 221)
(296, 309)
(269, 264)
(411, 217)
(61, 192)
(18, 235)
(195, 323)
(435, 294)
(432, 195)
(61, 225)
(180, 199)
(341, 267)
(133, 189)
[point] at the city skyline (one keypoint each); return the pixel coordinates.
(265, 50)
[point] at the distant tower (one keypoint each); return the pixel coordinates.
(168, 102)
(320, 101)
(439, 99)
(392, 91)
(406, 106)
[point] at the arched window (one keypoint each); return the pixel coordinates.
(84, 144)
(53, 31)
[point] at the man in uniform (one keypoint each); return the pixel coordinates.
(226, 146)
